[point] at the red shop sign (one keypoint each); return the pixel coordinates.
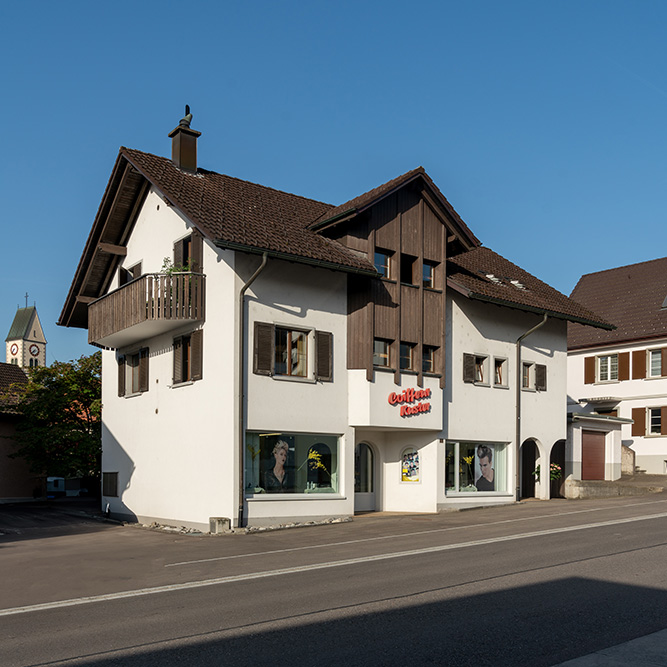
(410, 396)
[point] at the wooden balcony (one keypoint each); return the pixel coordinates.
(148, 306)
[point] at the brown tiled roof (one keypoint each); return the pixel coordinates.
(9, 375)
(482, 274)
(629, 296)
(370, 197)
(239, 214)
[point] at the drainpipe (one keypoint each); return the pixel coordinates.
(241, 365)
(519, 378)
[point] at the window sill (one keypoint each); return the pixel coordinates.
(294, 378)
(409, 285)
(530, 390)
(409, 371)
(433, 289)
(384, 369)
(501, 386)
(430, 374)
(177, 385)
(134, 395)
(307, 496)
(481, 384)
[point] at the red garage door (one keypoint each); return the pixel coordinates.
(592, 455)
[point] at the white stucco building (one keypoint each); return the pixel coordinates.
(617, 379)
(294, 360)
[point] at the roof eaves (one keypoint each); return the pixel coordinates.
(542, 311)
(300, 259)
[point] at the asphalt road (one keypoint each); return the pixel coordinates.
(532, 584)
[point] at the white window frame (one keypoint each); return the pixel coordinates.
(604, 367)
(650, 423)
(383, 355)
(504, 365)
(307, 336)
(651, 354)
(528, 376)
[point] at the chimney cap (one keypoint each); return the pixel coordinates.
(184, 125)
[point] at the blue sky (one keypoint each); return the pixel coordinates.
(543, 123)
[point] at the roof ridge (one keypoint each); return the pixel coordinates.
(232, 178)
(625, 266)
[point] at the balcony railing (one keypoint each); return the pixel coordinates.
(152, 304)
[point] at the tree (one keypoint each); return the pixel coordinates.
(60, 432)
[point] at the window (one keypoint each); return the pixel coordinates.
(540, 377)
(279, 463)
(428, 275)
(526, 375)
(499, 372)
(407, 352)
(655, 363)
(188, 357)
(608, 368)
(188, 253)
(654, 421)
(133, 373)
(126, 275)
(381, 356)
(284, 352)
(475, 369)
(291, 352)
(110, 484)
(407, 269)
(382, 266)
(410, 465)
(474, 467)
(428, 359)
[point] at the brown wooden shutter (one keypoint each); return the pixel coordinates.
(623, 365)
(540, 377)
(121, 376)
(639, 417)
(589, 370)
(136, 270)
(196, 355)
(263, 349)
(197, 253)
(178, 361)
(178, 253)
(639, 364)
(468, 367)
(324, 356)
(663, 421)
(143, 369)
(663, 362)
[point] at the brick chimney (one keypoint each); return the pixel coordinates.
(184, 144)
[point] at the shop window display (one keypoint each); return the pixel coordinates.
(279, 463)
(473, 467)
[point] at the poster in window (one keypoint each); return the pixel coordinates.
(485, 474)
(410, 466)
(277, 468)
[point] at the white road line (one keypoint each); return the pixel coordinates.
(308, 568)
(401, 535)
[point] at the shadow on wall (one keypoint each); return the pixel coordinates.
(123, 465)
(527, 626)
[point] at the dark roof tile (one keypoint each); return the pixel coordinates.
(629, 296)
(485, 275)
(231, 211)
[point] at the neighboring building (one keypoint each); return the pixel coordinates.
(26, 344)
(617, 380)
(296, 360)
(16, 480)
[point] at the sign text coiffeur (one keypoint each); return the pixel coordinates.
(410, 396)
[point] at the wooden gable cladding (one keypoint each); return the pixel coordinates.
(398, 308)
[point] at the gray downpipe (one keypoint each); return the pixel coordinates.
(241, 366)
(519, 370)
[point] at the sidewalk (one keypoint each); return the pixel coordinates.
(649, 651)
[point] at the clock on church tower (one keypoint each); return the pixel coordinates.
(26, 344)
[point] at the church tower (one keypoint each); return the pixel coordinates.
(26, 344)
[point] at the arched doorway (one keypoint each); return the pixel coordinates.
(364, 478)
(558, 457)
(528, 463)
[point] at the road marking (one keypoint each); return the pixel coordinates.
(308, 568)
(401, 535)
